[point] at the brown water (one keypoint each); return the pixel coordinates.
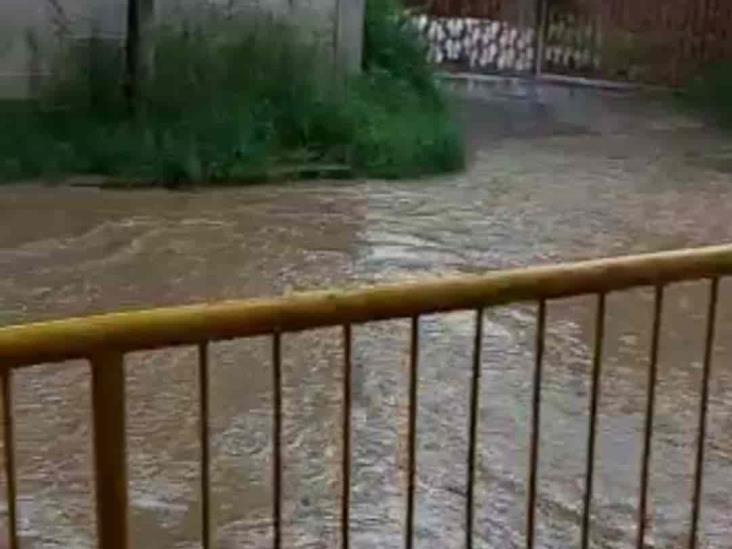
(555, 175)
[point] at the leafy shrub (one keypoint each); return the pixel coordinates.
(227, 101)
(711, 93)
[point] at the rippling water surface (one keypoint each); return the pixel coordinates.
(555, 174)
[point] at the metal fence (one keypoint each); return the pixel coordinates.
(651, 41)
(655, 41)
(104, 341)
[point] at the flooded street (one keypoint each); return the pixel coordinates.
(555, 174)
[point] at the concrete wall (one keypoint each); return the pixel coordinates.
(31, 29)
(349, 34)
(318, 17)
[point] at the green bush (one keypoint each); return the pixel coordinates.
(711, 93)
(228, 102)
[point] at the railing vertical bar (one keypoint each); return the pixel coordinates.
(473, 432)
(650, 411)
(591, 435)
(108, 402)
(9, 447)
(277, 439)
(411, 465)
(535, 424)
(703, 405)
(204, 441)
(346, 448)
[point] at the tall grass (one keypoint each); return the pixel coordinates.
(235, 102)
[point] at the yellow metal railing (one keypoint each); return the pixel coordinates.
(105, 339)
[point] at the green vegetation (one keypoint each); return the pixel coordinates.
(230, 103)
(711, 93)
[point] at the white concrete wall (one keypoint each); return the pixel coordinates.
(317, 18)
(349, 34)
(31, 30)
(335, 26)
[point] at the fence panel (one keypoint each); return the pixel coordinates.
(104, 340)
(493, 36)
(651, 41)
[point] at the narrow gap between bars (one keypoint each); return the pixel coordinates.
(650, 410)
(592, 434)
(703, 406)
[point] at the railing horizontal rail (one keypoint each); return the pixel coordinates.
(165, 327)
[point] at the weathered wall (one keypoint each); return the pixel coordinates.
(318, 17)
(30, 29)
(349, 34)
(14, 60)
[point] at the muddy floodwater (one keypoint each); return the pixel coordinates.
(555, 174)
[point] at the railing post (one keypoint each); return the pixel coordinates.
(277, 440)
(9, 447)
(703, 411)
(412, 436)
(346, 430)
(592, 428)
(205, 446)
(108, 404)
(473, 428)
(535, 424)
